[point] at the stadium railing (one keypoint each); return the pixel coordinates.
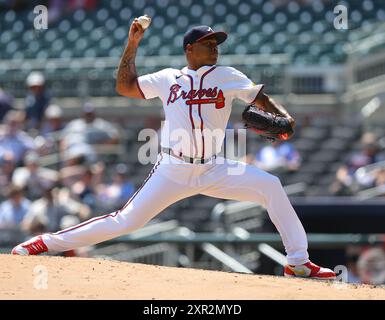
(190, 244)
(156, 253)
(95, 76)
(84, 77)
(371, 192)
(228, 215)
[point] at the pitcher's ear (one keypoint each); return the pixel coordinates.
(188, 48)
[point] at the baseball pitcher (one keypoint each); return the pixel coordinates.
(197, 100)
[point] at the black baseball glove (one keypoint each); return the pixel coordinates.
(269, 125)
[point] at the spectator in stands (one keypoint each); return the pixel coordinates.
(53, 120)
(347, 183)
(370, 265)
(114, 195)
(352, 255)
(75, 165)
(380, 177)
(85, 4)
(85, 188)
(59, 7)
(34, 178)
(12, 139)
(6, 103)
(368, 155)
(37, 100)
(50, 134)
(278, 155)
(56, 9)
(13, 210)
(7, 167)
(90, 129)
(343, 184)
(371, 153)
(49, 213)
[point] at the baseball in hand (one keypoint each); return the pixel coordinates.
(144, 21)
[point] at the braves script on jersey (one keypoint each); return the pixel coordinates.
(199, 102)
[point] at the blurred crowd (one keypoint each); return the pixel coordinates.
(276, 157)
(51, 176)
(363, 170)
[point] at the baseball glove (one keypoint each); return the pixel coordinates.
(269, 125)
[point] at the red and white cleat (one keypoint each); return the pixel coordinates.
(309, 270)
(31, 247)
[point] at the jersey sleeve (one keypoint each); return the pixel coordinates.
(153, 84)
(242, 87)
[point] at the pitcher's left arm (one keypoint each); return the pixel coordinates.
(270, 105)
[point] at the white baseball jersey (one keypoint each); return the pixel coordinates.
(197, 105)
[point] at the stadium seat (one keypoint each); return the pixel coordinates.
(125, 14)
(326, 180)
(9, 19)
(102, 15)
(71, 38)
(220, 10)
(344, 133)
(324, 156)
(307, 178)
(182, 22)
(317, 191)
(282, 28)
(335, 144)
(306, 144)
(314, 168)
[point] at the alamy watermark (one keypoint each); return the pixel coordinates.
(197, 143)
(341, 19)
(40, 281)
(40, 22)
(342, 276)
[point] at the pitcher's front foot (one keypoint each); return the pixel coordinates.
(309, 270)
(32, 246)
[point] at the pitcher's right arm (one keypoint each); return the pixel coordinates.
(126, 78)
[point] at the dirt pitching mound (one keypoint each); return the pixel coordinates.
(46, 277)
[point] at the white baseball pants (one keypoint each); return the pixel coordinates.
(172, 180)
